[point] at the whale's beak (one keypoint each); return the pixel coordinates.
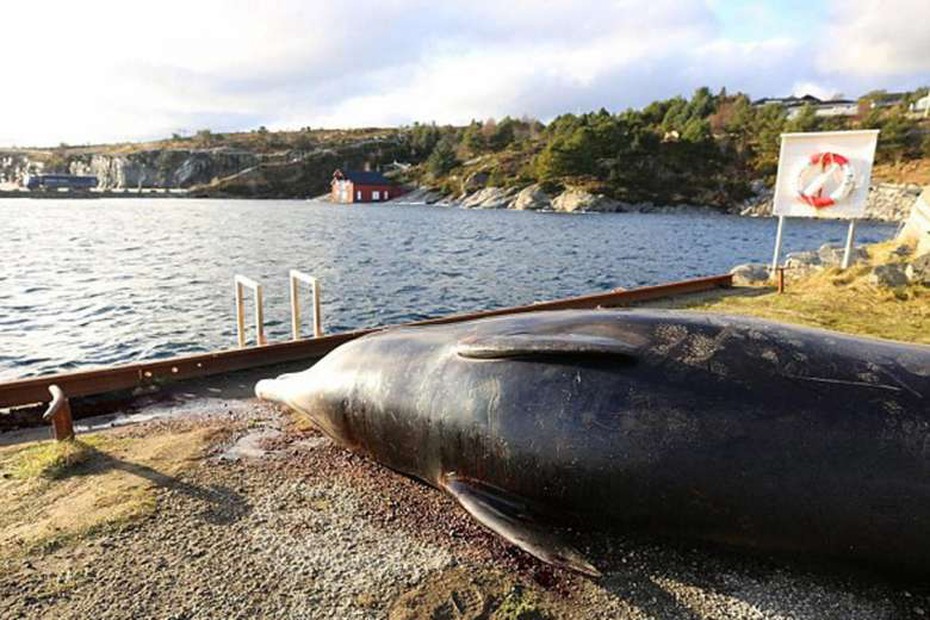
(269, 389)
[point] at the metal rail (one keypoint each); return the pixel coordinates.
(143, 374)
(59, 412)
(296, 277)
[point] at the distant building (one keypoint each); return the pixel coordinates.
(362, 186)
(785, 102)
(921, 106)
(59, 181)
(834, 107)
(887, 100)
(794, 105)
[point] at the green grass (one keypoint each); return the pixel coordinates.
(519, 604)
(52, 460)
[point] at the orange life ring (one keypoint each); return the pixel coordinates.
(827, 166)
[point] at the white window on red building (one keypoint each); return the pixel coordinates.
(375, 195)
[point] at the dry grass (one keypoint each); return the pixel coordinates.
(841, 300)
(52, 492)
(915, 171)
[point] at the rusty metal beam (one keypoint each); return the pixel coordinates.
(142, 374)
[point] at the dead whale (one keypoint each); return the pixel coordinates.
(720, 428)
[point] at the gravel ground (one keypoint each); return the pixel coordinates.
(278, 522)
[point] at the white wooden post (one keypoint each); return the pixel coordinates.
(778, 237)
(299, 276)
(850, 241)
(241, 282)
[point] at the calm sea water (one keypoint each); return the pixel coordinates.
(91, 283)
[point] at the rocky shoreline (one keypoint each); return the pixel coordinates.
(887, 202)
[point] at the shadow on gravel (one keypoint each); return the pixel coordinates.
(666, 578)
(220, 505)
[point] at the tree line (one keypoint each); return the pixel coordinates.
(705, 149)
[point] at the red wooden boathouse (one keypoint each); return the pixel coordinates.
(362, 186)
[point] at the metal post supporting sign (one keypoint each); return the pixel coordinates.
(823, 175)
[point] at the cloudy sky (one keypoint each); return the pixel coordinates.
(110, 70)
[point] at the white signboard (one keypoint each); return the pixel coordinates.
(824, 174)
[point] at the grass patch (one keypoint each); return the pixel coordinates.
(844, 301)
(52, 460)
(519, 604)
(54, 493)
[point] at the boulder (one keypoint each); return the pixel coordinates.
(488, 198)
(832, 255)
(918, 271)
(532, 198)
(891, 275)
(578, 200)
(903, 250)
(803, 260)
(750, 273)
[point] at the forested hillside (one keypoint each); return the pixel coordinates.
(702, 150)
(706, 150)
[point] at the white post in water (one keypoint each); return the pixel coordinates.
(298, 276)
(850, 241)
(241, 282)
(778, 236)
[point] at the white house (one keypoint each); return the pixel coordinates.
(922, 105)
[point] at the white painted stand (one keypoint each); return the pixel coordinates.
(315, 287)
(243, 282)
(778, 239)
(850, 241)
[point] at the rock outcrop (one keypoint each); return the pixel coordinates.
(532, 198)
(750, 274)
(163, 168)
(574, 200)
(489, 198)
(891, 275)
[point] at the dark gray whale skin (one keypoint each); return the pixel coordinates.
(720, 428)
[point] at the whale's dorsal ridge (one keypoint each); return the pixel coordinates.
(545, 346)
(510, 517)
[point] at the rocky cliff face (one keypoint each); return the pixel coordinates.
(163, 168)
(15, 166)
(225, 171)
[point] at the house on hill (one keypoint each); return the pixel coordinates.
(795, 105)
(362, 186)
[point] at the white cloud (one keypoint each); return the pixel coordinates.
(876, 38)
(102, 70)
(821, 91)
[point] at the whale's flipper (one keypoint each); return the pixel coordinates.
(510, 518)
(546, 345)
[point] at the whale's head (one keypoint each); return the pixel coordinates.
(351, 393)
(321, 393)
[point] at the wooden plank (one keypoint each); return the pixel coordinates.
(128, 376)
